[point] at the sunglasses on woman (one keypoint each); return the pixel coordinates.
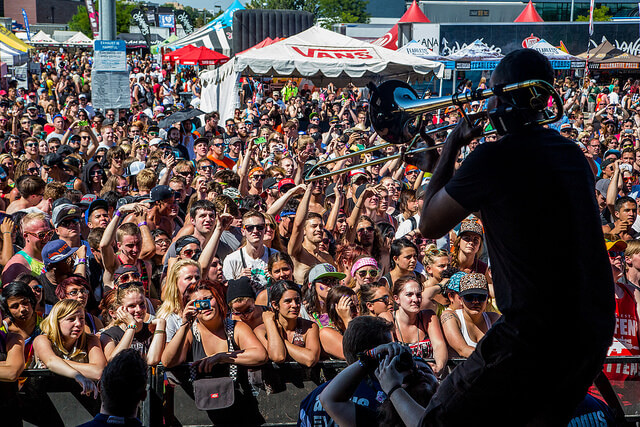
(371, 273)
(384, 299)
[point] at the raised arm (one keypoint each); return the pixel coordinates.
(277, 206)
(176, 350)
(223, 222)
(297, 232)
(158, 342)
(271, 338)
(614, 186)
(335, 209)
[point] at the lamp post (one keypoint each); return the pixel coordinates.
(571, 18)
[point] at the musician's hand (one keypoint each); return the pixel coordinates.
(425, 161)
(464, 133)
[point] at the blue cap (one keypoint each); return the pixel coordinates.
(56, 251)
(454, 282)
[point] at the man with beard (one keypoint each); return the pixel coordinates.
(173, 137)
(36, 233)
(235, 145)
(306, 236)
(129, 243)
(252, 259)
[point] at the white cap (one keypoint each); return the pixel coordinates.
(156, 141)
(136, 167)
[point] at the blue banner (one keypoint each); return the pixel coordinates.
(26, 24)
(166, 20)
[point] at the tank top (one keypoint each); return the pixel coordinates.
(625, 339)
(421, 348)
(463, 327)
(36, 267)
(298, 336)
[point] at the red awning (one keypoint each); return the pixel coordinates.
(529, 14)
(202, 56)
(413, 14)
(172, 56)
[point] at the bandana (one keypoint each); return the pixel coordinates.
(363, 262)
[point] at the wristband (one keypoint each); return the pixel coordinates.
(131, 326)
(367, 362)
(81, 261)
(118, 213)
(159, 332)
(6, 232)
(142, 223)
(394, 388)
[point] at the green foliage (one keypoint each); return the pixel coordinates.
(80, 22)
(599, 14)
(328, 12)
(307, 5)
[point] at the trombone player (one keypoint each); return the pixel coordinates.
(535, 365)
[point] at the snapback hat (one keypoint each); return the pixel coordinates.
(324, 270)
(56, 251)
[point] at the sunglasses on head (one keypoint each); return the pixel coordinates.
(252, 228)
(371, 273)
(475, 298)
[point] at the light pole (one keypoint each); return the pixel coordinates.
(571, 18)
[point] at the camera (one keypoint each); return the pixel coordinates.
(202, 304)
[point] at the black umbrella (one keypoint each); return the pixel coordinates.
(179, 116)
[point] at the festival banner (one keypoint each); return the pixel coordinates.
(182, 17)
(26, 24)
(591, 5)
(140, 19)
(93, 18)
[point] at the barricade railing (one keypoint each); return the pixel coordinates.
(278, 408)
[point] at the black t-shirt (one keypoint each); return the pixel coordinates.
(141, 340)
(49, 291)
(522, 184)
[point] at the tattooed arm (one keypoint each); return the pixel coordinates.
(453, 333)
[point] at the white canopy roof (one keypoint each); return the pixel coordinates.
(552, 52)
(322, 55)
(42, 38)
(476, 51)
(417, 49)
(79, 39)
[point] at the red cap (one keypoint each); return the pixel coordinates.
(410, 168)
(285, 181)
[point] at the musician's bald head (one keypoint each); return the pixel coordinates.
(521, 65)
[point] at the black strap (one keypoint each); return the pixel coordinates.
(414, 223)
(610, 397)
(244, 264)
(230, 326)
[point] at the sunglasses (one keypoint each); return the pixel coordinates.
(99, 172)
(243, 313)
(190, 253)
(76, 292)
(128, 277)
(366, 229)
(123, 187)
(205, 167)
(371, 273)
(129, 285)
(252, 228)
(185, 173)
(36, 288)
(143, 146)
(219, 145)
(384, 299)
(475, 298)
(256, 177)
(69, 222)
(32, 171)
(615, 254)
(42, 235)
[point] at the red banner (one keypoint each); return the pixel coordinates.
(93, 18)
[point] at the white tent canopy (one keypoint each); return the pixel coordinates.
(417, 49)
(42, 38)
(79, 39)
(317, 54)
(12, 56)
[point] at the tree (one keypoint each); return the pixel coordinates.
(338, 11)
(307, 5)
(80, 22)
(599, 14)
(124, 9)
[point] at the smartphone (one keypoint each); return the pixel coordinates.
(260, 140)
(83, 123)
(202, 304)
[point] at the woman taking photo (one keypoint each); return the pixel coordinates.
(67, 350)
(419, 329)
(129, 329)
(342, 308)
(183, 273)
(284, 334)
(403, 259)
(214, 343)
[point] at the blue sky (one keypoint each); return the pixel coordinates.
(209, 4)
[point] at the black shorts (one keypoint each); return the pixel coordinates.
(515, 378)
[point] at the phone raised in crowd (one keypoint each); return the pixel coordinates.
(202, 304)
(83, 123)
(260, 140)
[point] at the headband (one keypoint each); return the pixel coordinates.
(363, 262)
(256, 169)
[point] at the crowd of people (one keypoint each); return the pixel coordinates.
(203, 243)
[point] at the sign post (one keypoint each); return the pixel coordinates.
(109, 77)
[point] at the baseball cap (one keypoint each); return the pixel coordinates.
(471, 227)
(616, 153)
(86, 200)
(157, 141)
(32, 106)
(269, 182)
(56, 251)
(63, 211)
(325, 270)
(603, 186)
(565, 127)
(269, 100)
(134, 168)
(620, 245)
(286, 182)
(161, 192)
(331, 190)
(410, 168)
(355, 174)
(123, 269)
(201, 140)
(454, 282)
(474, 283)
(52, 159)
(96, 204)
(240, 288)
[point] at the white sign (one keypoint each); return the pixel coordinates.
(110, 55)
(110, 89)
(428, 35)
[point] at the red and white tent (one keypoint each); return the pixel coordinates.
(529, 14)
(413, 14)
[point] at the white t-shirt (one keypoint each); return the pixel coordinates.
(232, 266)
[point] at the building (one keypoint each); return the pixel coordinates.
(41, 11)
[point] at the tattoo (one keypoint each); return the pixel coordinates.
(447, 316)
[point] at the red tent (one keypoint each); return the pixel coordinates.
(413, 14)
(202, 56)
(172, 56)
(529, 14)
(266, 42)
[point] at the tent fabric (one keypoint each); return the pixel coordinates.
(12, 56)
(529, 14)
(413, 14)
(606, 56)
(600, 52)
(79, 39)
(201, 56)
(172, 56)
(559, 59)
(43, 38)
(215, 35)
(266, 42)
(476, 51)
(416, 49)
(137, 40)
(9, 39)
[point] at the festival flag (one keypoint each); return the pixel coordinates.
(93, 18)
(182, 17)
(591, 5)
(141, 21)
(26, 24)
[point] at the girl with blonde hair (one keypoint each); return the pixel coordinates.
(66, 349)
(181, 274)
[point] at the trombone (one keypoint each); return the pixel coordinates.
(396, 114)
